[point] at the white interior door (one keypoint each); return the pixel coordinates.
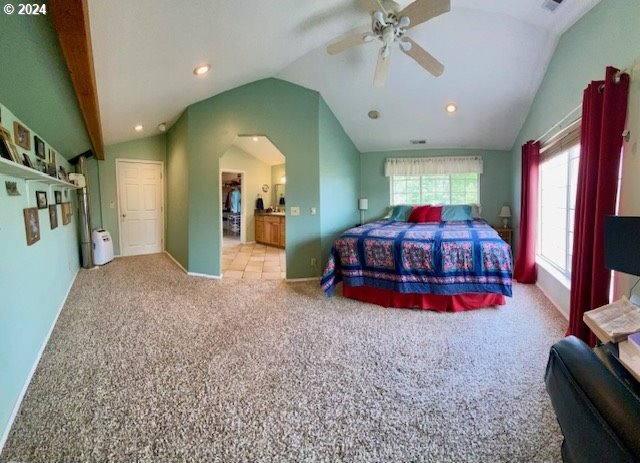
(140, 207)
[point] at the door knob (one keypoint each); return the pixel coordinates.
(124, 215)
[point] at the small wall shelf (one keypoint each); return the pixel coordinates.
(14, 169)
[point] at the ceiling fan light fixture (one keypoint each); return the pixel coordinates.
(406, 46)
(378, 16)
(202, 69)
(404, 22)
(450, 108)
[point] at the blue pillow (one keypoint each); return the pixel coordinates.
(456, 212)
(401, 213)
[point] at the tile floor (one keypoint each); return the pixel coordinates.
(252, 261)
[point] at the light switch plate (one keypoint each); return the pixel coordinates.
(313, 211)
(295, 210)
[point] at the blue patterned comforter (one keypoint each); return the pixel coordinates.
(428, 258)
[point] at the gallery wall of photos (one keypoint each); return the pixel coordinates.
(26, 158)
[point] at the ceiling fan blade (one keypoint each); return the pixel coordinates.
(371, 6)
(347, 42)
(382, 69)
(422, 57)
(423, 10)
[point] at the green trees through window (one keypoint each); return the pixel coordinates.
(435, 189)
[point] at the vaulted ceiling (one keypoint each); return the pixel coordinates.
(495, 55)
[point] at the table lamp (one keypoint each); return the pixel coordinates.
(363, 205)
(505, 213)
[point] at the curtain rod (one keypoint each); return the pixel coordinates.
(560, 133)
(557, 124)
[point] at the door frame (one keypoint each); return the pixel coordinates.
(243, 205)
(118, 199)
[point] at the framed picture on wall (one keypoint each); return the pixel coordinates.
(40, 148)
(66, 213)
(26, 160)
(53, 216)
(21, 135)
(58, 196)
(8, 149)
(41, 199)
(32, 225)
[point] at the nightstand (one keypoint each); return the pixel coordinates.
(505, 234)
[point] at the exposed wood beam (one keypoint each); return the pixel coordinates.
(71, 21)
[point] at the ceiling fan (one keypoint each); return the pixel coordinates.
(389, 25)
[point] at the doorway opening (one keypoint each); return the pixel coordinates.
(233, 225)
(259, 251)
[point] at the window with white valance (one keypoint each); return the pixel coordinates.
(433, 165)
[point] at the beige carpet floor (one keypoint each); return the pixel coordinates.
(147, 364)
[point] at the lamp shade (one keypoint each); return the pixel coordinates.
(363, 204)
(505, 212)
(622, 244)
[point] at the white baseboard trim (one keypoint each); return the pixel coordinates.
(554, 303)
(176, 261)
(192, 274)
(14, 413)
(205, 275)
(298, 280)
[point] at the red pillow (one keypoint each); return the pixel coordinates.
(421, 214)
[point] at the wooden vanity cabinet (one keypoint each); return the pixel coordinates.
(270, 230)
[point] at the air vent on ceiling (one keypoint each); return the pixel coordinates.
(551, 5)
(418, 142)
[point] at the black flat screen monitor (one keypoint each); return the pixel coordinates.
(622, 244)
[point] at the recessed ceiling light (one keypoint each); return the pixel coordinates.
(201, 69)
(451, 108)
(373, 114)
(162, 127)
(255, 138)
(138, 128)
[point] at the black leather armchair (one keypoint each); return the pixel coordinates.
(596, 401)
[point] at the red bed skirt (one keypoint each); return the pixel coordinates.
(441, 303)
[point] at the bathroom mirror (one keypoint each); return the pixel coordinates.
(278, 192)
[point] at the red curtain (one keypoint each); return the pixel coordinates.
(604, 111)
(525, 267)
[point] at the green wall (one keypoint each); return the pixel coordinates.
(256, 174)
(35, 84)
(609, 35)
(495, 181)
(177, 210)
(288, 115)
(339, 181)
(33, 279)
(36, 89)
(102, 180)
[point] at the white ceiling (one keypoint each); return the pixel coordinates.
(261, 148)
(495, 55)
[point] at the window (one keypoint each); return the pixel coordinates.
(435, 180)
(460, 188)
(557, 199)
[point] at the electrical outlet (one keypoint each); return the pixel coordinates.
(314, 262)
(313, 211)
(295, 210)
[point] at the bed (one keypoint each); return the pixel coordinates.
(444, 266)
